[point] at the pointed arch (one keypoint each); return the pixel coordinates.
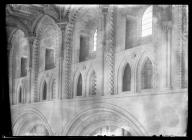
(53, 89)
(126, 86)
(146, 66)
(44, 91)
(79, 86)
(19, 50)
(20, 95)
(146, 75)
(92, 83)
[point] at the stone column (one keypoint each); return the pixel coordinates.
(177, 47)
(109, 52)
(31, 40)
(35, 70)
(11, 93)
(67, 68)
(166, 29)
(184, 46)
(61, 59)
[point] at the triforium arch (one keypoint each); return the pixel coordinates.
(78, 73)
(120, 75)
(140, 65)
(16, 23)
(102, 114)
(43, 93)
(52, 87)
(91, 81)
(18, 48)
(46, 27)
(28, 120)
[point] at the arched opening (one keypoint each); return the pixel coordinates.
(126, 86)
(20, 95)
(79, 86)
(101, 115)
(44, 91)
(110, 131)
(147, 75)
(53, 90)
(147, 22)
(92, 84)
(37, 130)
(18, 61)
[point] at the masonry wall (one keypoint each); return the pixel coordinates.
(160, 110)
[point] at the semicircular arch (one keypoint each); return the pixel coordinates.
(103, 112)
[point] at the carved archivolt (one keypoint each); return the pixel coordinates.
(44, 25)
(101, 114)
(29, 119)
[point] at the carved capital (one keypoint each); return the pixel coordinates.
(166, 25)
(62, 26)
(105, 9)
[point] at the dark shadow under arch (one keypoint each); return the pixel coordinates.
(44, 96)
(79, 86)
(146, 75)
(126, 86)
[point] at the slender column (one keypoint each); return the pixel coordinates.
(67, 61)
(184, 46)
(177, 47)
(67, 68)
(34, 72)
(61, 76)
(109, 53)
(31, 40)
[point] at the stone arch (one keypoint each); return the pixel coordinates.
(16, 51)
(103, 114)
(44, 91)
(89, 74)
(24, 94)
(79, 86)
(139, 66)
(120, 74)
(27, 120)
(44, 24)
(126, 78)
(87, 23)
(20, 86)
(75, 82)
(16, 94)
(20, 94)
(17, 23)
(52, 87)
(43, 28)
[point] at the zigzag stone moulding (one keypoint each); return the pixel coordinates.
(68, 54)
(109, 54)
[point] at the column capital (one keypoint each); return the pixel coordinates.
(105, 8)
(167, 25)
(62, 25)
